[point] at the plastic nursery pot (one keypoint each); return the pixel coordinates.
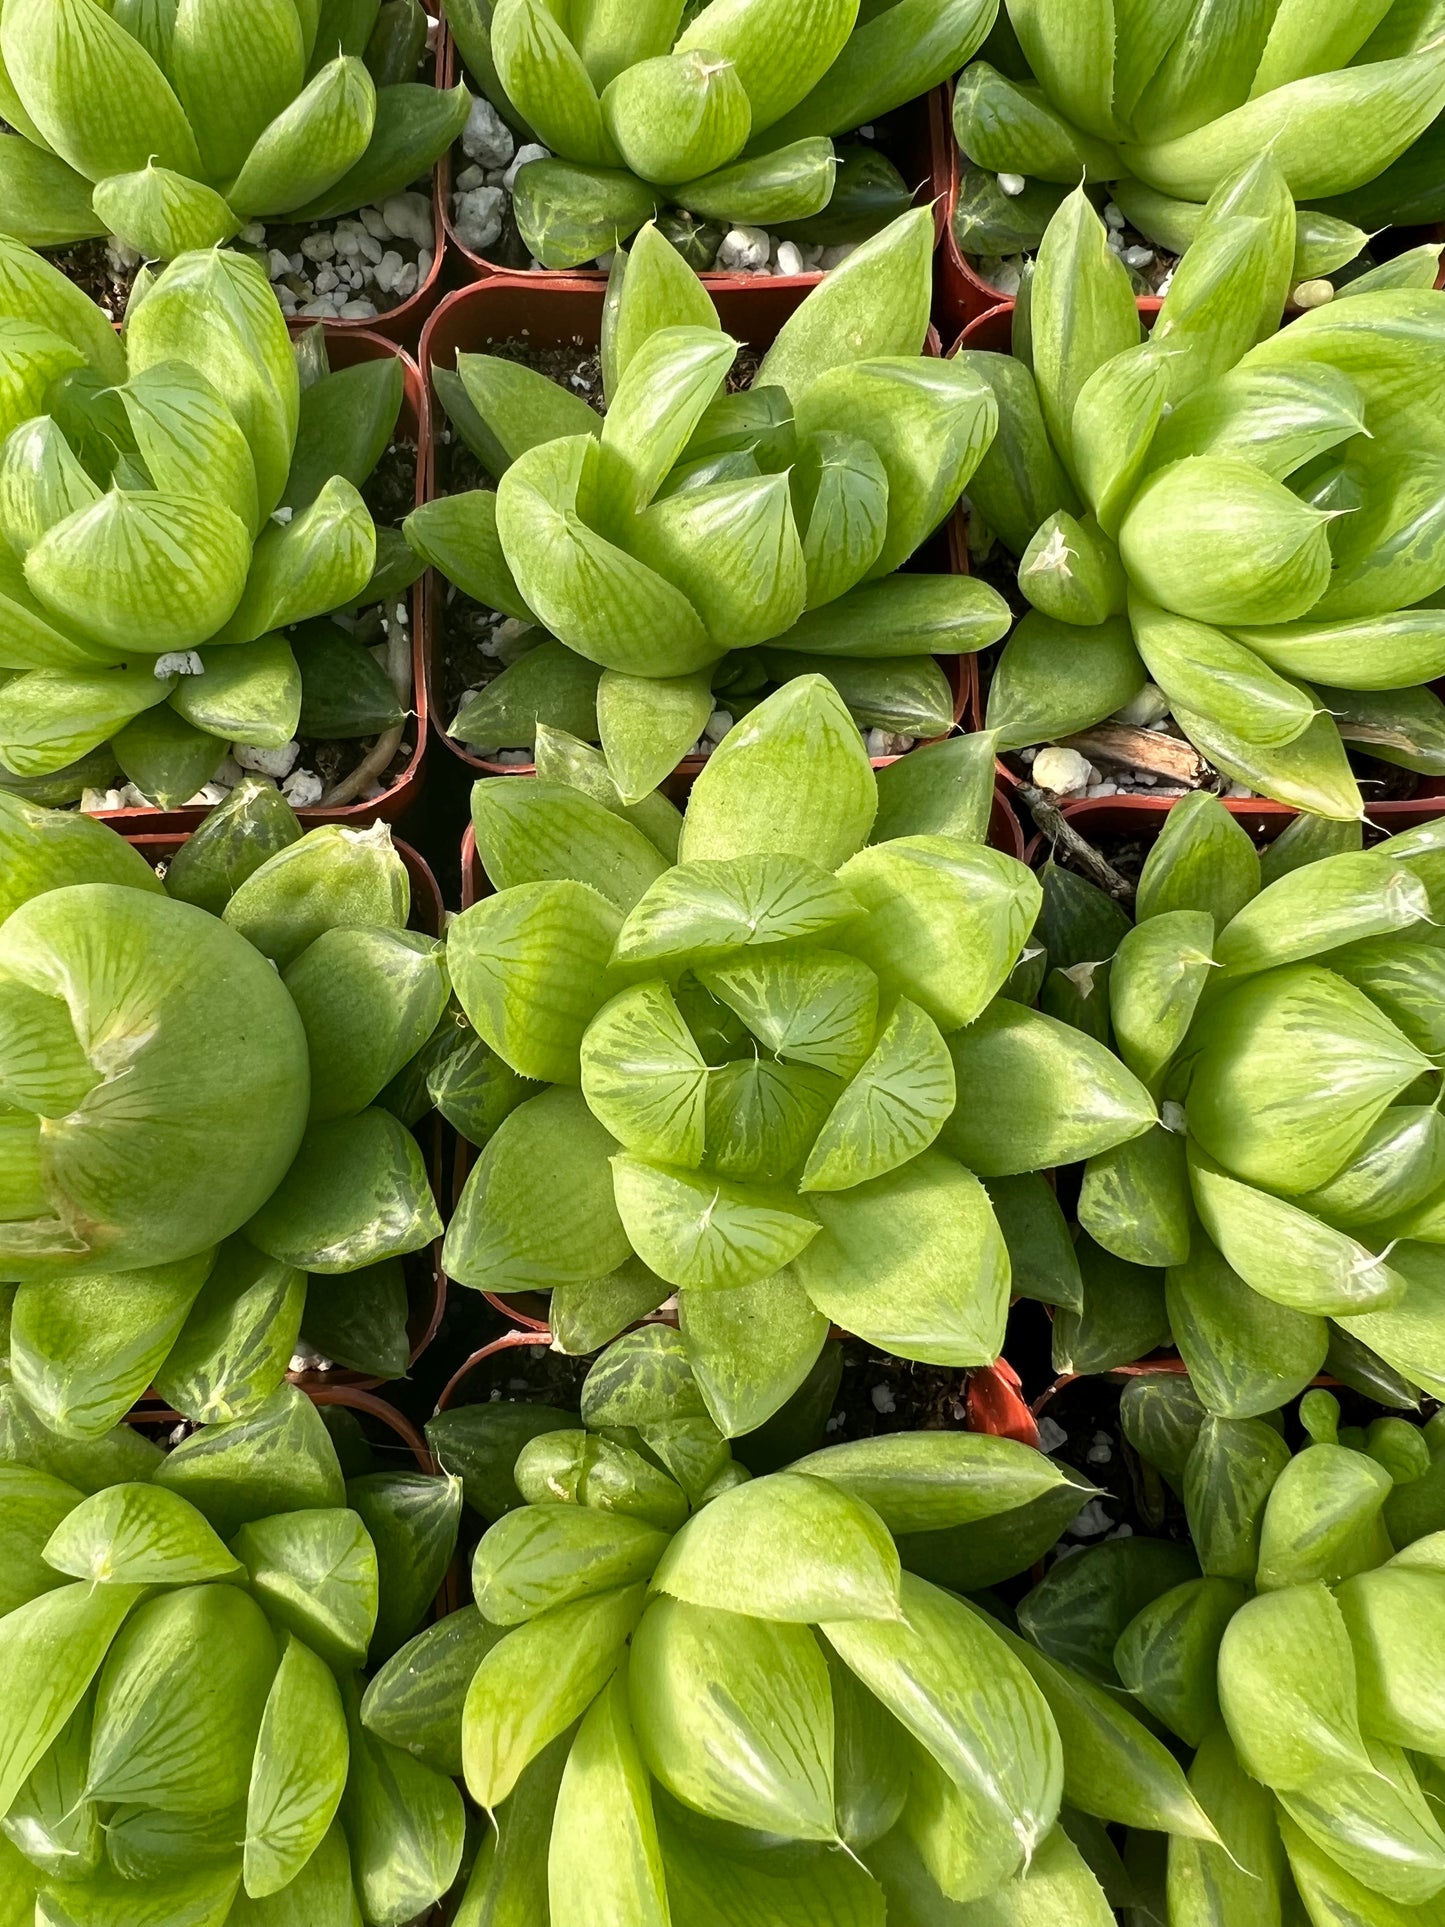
(917, 139)
(550, 312)
(425, 1280)
(529, 1310)
(346, 346)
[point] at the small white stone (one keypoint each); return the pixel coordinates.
(1102, 789)
(253, 234)
(277, 264)
(831, 258)
(477, 216)
(424, 263)
(406, 282)
(121, 256)
(883, 1400)
(267, 762)
(604, 261)
(1171, 1116)
(533, 151)
(207, 797)
(877, 742)
(326, 280)
(320, 306)
(1115, 240)
(282, 515)
(1051, 1434)
(409, 216)
(132, 797)
(302, 788)
(1150, 706)
(1113, 215)
(1007, 275)
(298, 263)
(1239, 792)
(1012, 184)
(1060, 771)
(486, 138)
(179, 662)
(93, 802)
(1163, 288)
(1138, 257)
(371, 248)
(388, 270)
(1314, 294)
(744, 250)
(790, 258)
(375, 223)
(357, 311)
(1091, 1523)
(287, 300)
(348, 242)
(470, 177)
(717, 726)
(865, 133)
(319, 247)
(813, 255)
(1101, 1451)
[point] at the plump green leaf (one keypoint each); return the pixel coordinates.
(238, 1339)
(415, 1701)
(278, 1458)
(530, 969)
(748, 800)
(538, 1207)
(180, 1700)
(412, 1520)
(1287, 1688)
(534, 1683)
(706, 909)
(643, 1076)
(357, 1193)
(299, 1772)
(914, 1261)
(53, 1646)
(405, 1825)
(138, 1535)
(929, 1481)
(543, 1556)
(706, 1232)
(315, 1571)
(734, 1717)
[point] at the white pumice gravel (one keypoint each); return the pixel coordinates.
(1172, 1117)
(717, 725)
(268, 762)
(1092, 1523)
(1150, 706)
(744, 250)
(1061, 771)
(179, 662)
(486, 138)
(302, 788)
(1012, 184)
(1314, 294)
(1051, 1434)
(1102, 1449)
(884, 1402)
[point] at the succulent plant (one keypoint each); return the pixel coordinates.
(1253, 521)
(787, 1709)
(1295, 1650)
(752, 1075)
(729, 119)
(1286, 1214)
(175, 124)
(183, 1637)
(696, 544)
(189, 1114)
(178, 515)
(1167, 103)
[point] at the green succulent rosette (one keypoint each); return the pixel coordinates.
(174, 126)
(1291, 1644)
(1250, 518)
(700, 544)
(789, 1704)
(1166, 103)
(744, 1056)
(187, 1637)
(208, 1173)
(726, 114)
(181, 521)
